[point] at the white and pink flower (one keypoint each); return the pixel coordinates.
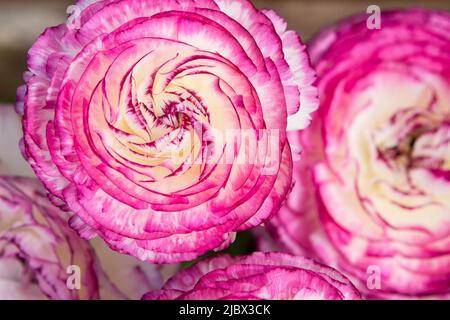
(373, 190)
(127, 115)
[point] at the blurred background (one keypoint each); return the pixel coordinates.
(21, 21)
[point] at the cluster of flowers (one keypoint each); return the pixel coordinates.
(341, 150)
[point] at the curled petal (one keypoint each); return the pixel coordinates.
(42, 258)
(162, 125)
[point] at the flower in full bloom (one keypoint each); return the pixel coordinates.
(372, 196)
(162, 124)
(42, 258)
(260, 276)
(11, 161)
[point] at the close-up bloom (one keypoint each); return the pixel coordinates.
(372, 193)
(42, 258)
(162, 124)
(224, 150)
(260, 276)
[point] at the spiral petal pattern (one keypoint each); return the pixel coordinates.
(162, 124)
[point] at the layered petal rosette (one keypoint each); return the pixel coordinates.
(162, 124)
(378, 156)
(260, 276)
(42, 258)
(37, 247)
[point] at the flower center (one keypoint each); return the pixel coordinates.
(399, 143)
(415, 139)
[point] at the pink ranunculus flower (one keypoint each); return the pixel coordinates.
(378, 158)
(260, 276)
(42, 258)
(162, 124)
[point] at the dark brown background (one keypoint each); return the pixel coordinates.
(21, 21)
